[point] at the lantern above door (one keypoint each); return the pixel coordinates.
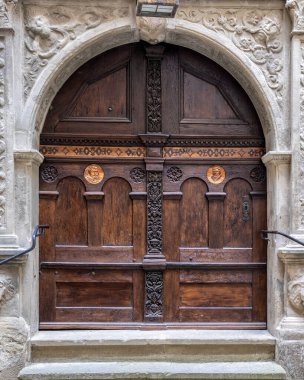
(154, 8)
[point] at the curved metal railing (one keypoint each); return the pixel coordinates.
(38, 231)
(266, 232)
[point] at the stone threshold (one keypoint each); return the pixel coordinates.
(166, 337)
(154, 370)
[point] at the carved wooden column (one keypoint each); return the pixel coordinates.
(154, 260)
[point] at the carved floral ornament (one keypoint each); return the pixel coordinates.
(296, 10)
(296, 293)
(300, 218)
(49, 29)
(255, 32)
(7, 290)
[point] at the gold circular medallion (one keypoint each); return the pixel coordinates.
(216, 174)
(94, 174)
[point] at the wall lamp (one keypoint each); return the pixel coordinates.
(154, 8)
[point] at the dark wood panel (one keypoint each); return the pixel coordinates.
(216, 254)
(210, 262)
(238, 214)
(203, 100)
(194, 214)
(106, 98)
(96, 254)
(89, 315)
(93, 294)
(212, 315)
(200, 276)
(71, 216)
(216, 295)
(117, 215)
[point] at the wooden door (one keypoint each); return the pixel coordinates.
(155, 194)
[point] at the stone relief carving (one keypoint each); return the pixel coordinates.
(49, 29)
(4, 13)
(7, 290)
(2, 136)
(296, 293)
(255, 32)
(301, 133)
(296, 10)
(152, 29)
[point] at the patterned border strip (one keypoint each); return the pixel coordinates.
(207, 153)
(92, 151)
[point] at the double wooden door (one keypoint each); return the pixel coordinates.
(155, 194)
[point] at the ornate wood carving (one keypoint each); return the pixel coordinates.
(49, 174)
(212, 152)
(153, 94)
(174, 174)
(154, 216)
(214, 142)
(59, 139)
(258, 174)
(137, 175)
(92, 151)
(154, 295)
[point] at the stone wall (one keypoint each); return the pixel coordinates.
(42, 42)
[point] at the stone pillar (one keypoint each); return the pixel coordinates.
(278, 203)
(290, 348)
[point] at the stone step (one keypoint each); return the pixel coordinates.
(153, 370)
(177, 345)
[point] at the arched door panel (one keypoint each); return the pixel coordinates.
(155, 194)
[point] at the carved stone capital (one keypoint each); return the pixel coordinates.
(31, 156)
(277, 158)
(296, 11)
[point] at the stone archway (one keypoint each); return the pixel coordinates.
(120, 29)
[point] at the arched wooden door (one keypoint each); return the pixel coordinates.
(155, 194)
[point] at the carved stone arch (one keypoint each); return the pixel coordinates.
(178, 32)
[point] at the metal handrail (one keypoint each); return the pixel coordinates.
(266, 232)
(38, 231)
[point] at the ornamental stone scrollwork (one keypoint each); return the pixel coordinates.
(2, 136)
(7, 290)
(296, 293)
(301, 133)
(296, 10)
(49, 29)
(255, 32)
(4, 13)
